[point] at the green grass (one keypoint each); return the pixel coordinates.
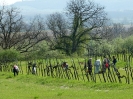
(30, 86)
(36, 87)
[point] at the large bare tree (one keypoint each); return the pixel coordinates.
(14, 33)
(83, 16)
(10, 25)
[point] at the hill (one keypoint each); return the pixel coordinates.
(30, 8)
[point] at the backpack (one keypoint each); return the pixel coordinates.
(106, 65)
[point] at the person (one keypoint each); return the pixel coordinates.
(65, 65)
(114, 62)
(34, 68)
(97, 65)
(29, 67)
(89, 63)
(15, 70)
(105, 64)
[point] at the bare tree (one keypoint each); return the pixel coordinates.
(106, 32)
(14, 33)
(109, 32)
(129, 30)
(82, 17)
(32, 34)
(10, 25)
(118, 29)
(59, 30)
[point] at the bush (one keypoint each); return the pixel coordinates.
(8, 56)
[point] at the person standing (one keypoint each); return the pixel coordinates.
(97, 65)
(89, 63)
(105, 64)
(114, 62)
(34, 68)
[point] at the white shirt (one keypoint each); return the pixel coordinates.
(98, 62)
(16, 67)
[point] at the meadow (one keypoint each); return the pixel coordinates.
(34, 87)
(28, 86)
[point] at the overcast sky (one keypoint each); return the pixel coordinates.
(110, 5)
(8, 1)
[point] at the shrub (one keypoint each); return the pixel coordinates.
(8, 56)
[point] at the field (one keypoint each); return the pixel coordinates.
(28, 86)
(34, 87)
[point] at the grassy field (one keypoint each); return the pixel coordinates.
(31, 86)
(36, 87)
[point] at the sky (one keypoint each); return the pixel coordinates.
(108, 4)
(8, 2)
(116, 9)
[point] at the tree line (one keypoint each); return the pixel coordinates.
(70, 32)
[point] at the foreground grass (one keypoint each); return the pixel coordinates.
(35, 87)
